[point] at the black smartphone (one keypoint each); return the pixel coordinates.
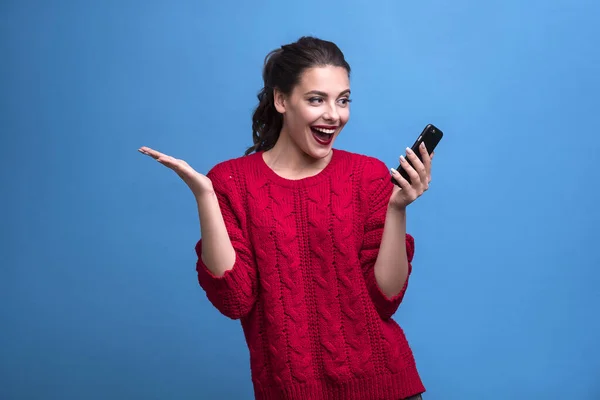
(431, 136)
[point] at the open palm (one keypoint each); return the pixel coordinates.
(199, 184)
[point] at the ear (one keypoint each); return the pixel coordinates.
(279, 99)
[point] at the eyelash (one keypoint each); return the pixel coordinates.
(312, 99)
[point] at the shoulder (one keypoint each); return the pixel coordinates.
(233, 178)
(369, 168)
(231, 166)
(372, 177)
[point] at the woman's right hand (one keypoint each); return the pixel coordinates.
(199, 184)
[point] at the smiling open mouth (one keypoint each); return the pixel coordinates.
(323, 135)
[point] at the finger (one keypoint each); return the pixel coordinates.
(152, 153)
(427, 163)
(169, 161)
(410, 171)
(404, 185)
(406, 188)
(426, 157)
(144, 150)
(431, 159)
(418, 166)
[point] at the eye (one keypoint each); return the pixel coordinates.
(344, 101)
(315, 100)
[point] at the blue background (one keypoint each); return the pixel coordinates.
(99, 297)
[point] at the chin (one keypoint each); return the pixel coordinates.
(319, 151)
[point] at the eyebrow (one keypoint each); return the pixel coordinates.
(323, 94)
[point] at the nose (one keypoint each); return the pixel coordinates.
(331, 115)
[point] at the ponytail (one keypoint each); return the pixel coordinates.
(266, 120)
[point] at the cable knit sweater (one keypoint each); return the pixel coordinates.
(303, 285)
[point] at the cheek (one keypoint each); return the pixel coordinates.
(308, 115)
(311, 114)
(344, 114)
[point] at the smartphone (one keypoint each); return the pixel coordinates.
(431, 136)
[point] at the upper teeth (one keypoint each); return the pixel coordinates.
(327, 131)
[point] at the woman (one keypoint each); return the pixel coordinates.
(307, 244)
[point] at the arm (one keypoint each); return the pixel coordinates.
(387, 249)
(218, 254)
(391, 267)
(226, 268)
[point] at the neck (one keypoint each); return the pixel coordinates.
(288, 159)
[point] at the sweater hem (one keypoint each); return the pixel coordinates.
(386, 387)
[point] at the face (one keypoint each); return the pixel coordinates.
(317, 110)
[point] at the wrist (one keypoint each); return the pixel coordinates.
(396, 209)
(205, 195)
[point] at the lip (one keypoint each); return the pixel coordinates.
(325, 126)
(323, 142)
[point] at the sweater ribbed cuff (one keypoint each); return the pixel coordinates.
(230, 293)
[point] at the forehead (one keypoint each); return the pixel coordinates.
(329, 79)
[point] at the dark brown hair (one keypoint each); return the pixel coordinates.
(282, 69)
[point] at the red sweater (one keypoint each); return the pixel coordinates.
(303, 285)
